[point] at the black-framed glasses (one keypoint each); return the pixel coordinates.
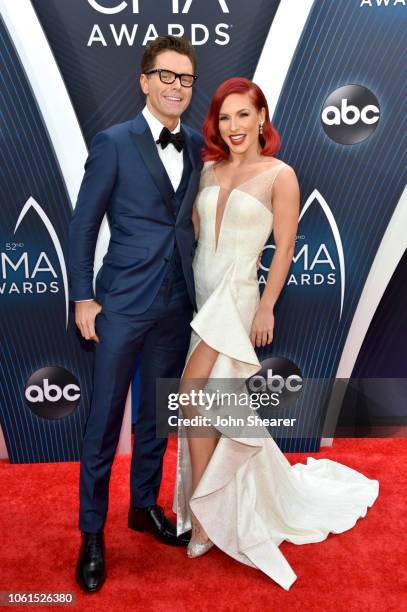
(168, 77)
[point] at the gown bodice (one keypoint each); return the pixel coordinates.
(234, 225)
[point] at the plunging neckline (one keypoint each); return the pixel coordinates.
(239, 185)
(229, 192)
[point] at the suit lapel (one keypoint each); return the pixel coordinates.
(195, 159)
(194, 154)
(147, 148)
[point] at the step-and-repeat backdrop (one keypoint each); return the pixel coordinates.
(332, 71)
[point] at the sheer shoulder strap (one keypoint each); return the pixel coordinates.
(261, 185)
(207, 177)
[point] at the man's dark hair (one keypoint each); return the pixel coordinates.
(166, 43)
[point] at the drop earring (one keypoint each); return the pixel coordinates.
(261, 129)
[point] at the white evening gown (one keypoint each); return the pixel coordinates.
(250, 499)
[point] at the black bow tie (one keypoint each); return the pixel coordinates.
(166, 138)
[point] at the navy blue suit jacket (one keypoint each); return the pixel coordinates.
(125, 178)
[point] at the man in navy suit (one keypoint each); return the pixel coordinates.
(144, 175)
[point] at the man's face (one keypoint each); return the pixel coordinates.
(167, 102)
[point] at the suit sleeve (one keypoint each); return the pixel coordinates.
(93, 199)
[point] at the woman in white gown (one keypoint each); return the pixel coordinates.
(241, 493)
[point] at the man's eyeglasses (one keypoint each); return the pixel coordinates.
(168, 77)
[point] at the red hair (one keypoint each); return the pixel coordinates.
(215, 148)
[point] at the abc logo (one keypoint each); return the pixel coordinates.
(350, 114)
(277, 376)
(52, 392)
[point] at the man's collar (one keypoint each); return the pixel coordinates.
(155, 125)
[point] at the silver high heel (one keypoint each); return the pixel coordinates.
(194, 548)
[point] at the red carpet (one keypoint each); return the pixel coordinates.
(363, 569)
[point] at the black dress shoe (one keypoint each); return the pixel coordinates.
(153, 520)
(90, 570)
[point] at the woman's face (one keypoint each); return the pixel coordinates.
(239, 122)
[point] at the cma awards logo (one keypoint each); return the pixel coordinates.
(125, 33)
(26, 273)
(384, 3)
(317, 263)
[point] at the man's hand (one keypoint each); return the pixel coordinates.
(85, 315)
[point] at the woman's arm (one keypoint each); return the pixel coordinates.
(286, 205)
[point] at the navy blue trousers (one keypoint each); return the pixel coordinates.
(161, 335)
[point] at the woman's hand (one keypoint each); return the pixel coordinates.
(263, 326)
